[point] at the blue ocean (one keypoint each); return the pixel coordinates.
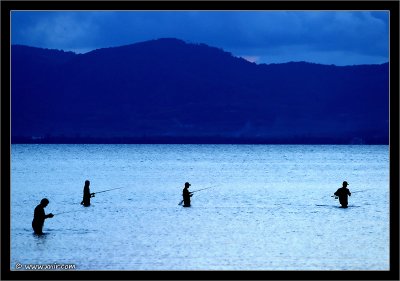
(260, 207)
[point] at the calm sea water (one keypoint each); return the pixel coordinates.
(269, 207)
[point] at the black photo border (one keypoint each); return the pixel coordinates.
(5, 153)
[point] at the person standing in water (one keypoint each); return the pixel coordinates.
(343, 194)
(186, 195)
(86, 194)
(39, 216)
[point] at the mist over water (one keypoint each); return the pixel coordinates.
(269, 207)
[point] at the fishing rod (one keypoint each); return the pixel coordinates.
(361, 190)
(93, 193)
(107, 190)
(201, 189)
(66, 212)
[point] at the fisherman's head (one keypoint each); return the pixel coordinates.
(345, 184)
(87, 183)
(187, 184)
(44, 202)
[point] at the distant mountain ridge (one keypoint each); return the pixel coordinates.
(169, 89)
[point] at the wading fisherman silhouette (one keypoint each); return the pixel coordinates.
(39, 216)
(186, 195)
(86, 194)
(343, 194)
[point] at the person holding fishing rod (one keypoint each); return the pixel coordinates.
(39, 216)
(343, 194)
(186, 195)
(86, 194)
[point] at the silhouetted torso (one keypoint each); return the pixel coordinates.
(86, 196)
(343, 193)
(38, 219)
(186, 197)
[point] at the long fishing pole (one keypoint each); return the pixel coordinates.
(93, 193)
(361, 190)
(67, 212)
(107, 190)
(201, 189)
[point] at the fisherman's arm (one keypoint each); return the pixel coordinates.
(49, 216)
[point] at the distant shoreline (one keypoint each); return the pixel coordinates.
(198, 140)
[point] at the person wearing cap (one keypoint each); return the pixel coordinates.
(186, 195)
(39, 216)
(343, 194)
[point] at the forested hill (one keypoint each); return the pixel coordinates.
(167, 90)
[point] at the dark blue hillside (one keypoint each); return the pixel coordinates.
(167, 88)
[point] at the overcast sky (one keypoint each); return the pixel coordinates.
(326, 37)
